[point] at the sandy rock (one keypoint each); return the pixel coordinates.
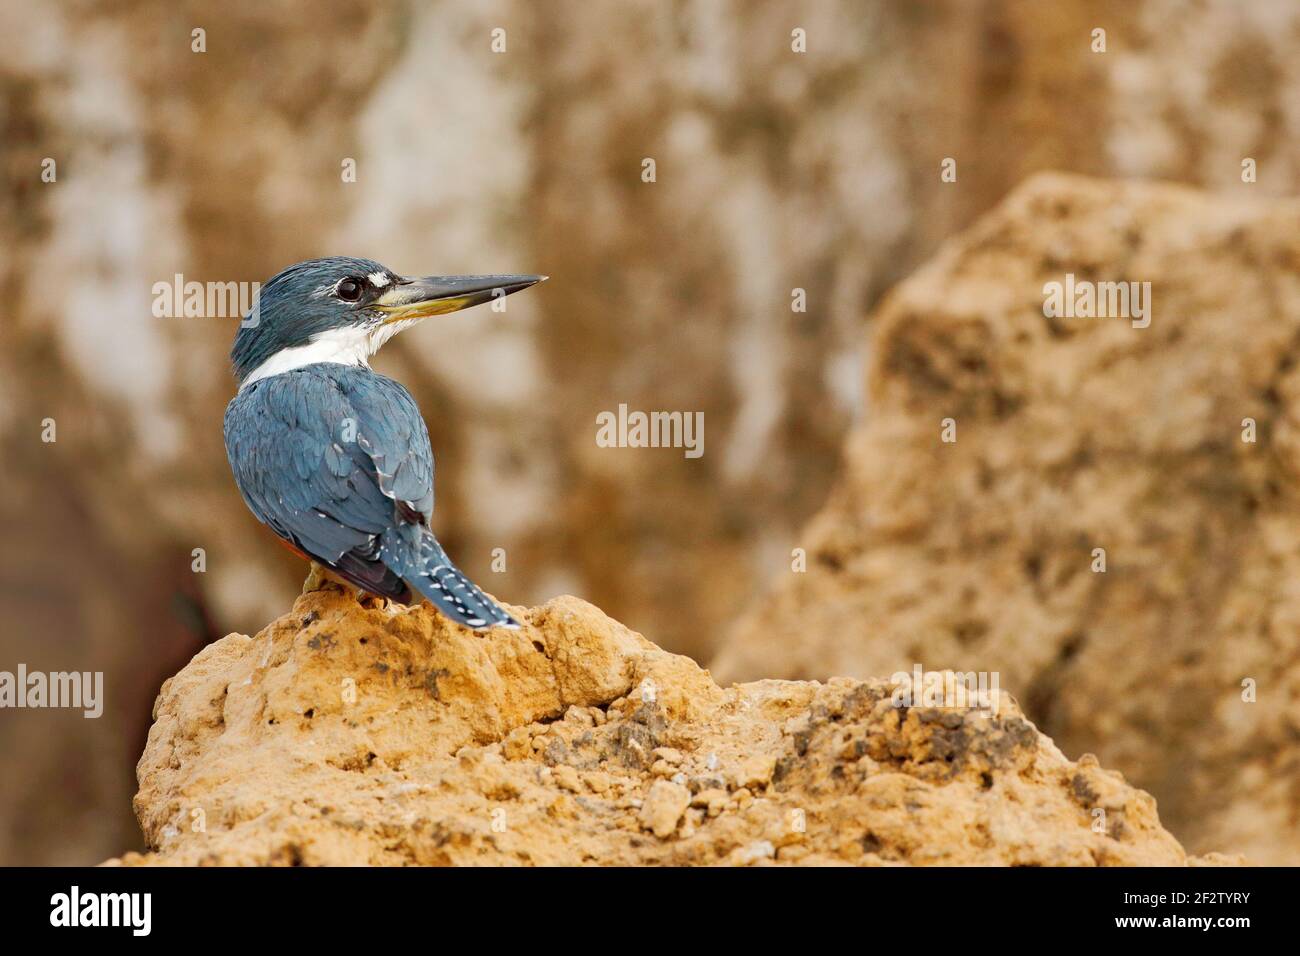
(663, 807)
(1075, 435)
(349, 735)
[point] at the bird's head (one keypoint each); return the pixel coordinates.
(342, 309)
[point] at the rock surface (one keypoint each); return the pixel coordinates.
(344, 734)
(1074, 435)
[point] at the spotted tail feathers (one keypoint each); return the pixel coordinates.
(413, 553)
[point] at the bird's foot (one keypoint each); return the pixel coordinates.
(316, 579)
(321, 578)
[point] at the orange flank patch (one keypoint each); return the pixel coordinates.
(301, 554)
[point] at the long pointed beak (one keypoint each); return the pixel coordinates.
(438, 295)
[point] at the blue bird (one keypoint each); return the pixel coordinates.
(335, 458)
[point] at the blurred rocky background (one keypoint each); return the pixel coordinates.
(775, 170)
(1114, 528)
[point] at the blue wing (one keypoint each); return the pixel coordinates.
(330, 457)
(336, 460)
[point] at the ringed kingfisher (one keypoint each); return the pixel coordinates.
(335, 458)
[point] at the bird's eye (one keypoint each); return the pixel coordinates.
(349, 290)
